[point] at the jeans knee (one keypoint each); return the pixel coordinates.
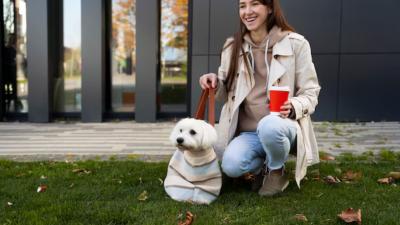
(231, 166)
(270, 129)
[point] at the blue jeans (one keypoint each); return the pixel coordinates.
(271, 144)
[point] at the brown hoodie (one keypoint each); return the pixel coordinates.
(255, 106)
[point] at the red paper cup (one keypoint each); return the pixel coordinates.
(277, 96)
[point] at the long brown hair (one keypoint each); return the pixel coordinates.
(276, 18)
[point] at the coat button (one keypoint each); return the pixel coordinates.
(305, 111)
(276, 56)
(233, 98)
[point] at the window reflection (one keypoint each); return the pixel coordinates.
(174, 40)
(123, 59)
(67, 87)
(14, 56)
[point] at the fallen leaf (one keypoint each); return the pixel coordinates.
(43, 177)
(143, 196)
(386, 180)
(349, 216)
(189, 219)
(161, 181)
(395, 175)
(331, 180)
(140, 180)
(72, 185)
(300, 217)
(327, 157)
(42, 188)
(80, 171)
(352, 176)
(10, 204)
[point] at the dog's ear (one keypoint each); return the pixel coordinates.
(209, 135)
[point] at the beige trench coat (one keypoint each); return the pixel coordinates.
(292, 66)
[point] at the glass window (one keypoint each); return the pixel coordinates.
(67, 87)
(172, 93)
(14, 56)
(123, 58)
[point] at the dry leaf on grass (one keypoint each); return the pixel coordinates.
(327, 158)
(143, 196)
(43, 177)
(386, 180)
(349, 216)
(351, 176)
(189, 219)
(300, 217)
(80, 171)
(161, 181)
(9, 204)
(395, 175)
(42, 188)
(331, 180)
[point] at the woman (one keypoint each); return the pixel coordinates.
(266, 52)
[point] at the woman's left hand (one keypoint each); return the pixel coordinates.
(286, 108)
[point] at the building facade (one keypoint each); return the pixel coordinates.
(95, 60)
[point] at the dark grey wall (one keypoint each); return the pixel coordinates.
(355, 50)
(38, 56)
(93, 60)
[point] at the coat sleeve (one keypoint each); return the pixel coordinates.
(306, 82)
(221, 93)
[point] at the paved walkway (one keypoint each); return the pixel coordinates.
(149, 141)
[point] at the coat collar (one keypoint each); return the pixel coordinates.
(282, 47)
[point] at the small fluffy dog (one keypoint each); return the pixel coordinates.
(193, 172)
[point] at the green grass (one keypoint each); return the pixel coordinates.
(108, 194)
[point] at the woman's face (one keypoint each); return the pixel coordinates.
(253, 14)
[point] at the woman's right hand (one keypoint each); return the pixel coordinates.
(208, 80)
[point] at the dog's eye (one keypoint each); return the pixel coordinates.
(192, 132)
(180, 130)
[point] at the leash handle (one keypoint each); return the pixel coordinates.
(207, 94)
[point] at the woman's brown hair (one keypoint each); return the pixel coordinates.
(276, 18)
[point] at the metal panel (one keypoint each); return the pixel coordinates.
(200, 21)
(93, 60)
(147, 55)
(38, 58)
(318, 21)
(327, 67)
(224, 23)
(371, 26)
(368, 87)
(199, 67)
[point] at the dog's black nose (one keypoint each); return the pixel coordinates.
(179, 140)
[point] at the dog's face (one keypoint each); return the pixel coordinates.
(193, 135)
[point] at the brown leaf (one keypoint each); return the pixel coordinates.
(352, 176)
(189, 219)
(349, 216)
(395, 175)
(327, 157)
(80, 171)
(300, 217)
(143, 196)
(386, 180)
(42, 188)
(331, 180)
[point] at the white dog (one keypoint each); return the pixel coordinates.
(193, 171)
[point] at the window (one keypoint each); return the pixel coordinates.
(172, 93)
(14, 56)
(123, 55)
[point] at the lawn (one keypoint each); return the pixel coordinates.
(107, 192)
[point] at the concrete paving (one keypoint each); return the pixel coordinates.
(149, 141)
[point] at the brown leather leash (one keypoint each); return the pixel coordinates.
(207, 94)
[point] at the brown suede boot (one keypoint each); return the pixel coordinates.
(274, 182)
